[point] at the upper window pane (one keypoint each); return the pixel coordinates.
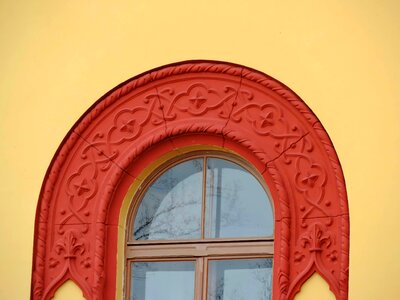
(236, 203)
(224, 198)
(171, 207)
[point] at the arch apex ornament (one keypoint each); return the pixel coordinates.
(192, 103)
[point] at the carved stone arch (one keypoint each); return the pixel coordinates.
(198, 102)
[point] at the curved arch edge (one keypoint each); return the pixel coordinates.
(243, 107)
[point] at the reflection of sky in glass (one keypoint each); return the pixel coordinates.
(242, 279)
(171, 208)
(162, 281)
(237, 204)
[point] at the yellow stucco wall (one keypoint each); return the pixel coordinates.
(341, 57)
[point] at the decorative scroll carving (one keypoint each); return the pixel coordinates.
(197, 100)
(246, 109)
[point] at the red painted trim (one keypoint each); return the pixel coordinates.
(191, 103)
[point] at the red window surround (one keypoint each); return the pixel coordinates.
(192, 103)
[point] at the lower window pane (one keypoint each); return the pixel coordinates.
(162, 280)
(248, 279)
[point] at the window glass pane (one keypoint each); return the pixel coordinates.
(240, 279)
(171, 208)
(162, 280)
(236, 203)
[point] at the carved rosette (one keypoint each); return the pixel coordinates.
(240, 106)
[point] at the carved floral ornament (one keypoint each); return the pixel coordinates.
(208, 103)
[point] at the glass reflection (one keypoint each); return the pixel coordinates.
(171, 208)
(162, 280)
(236, 203)
(242, 279)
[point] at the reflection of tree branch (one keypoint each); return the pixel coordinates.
(166, 232)
(149, 219)
(228, 194)
(171, 207)
(164, 222)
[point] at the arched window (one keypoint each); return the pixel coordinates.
(261, 131)
(203, 225)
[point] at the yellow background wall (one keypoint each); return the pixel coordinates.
(341, 57)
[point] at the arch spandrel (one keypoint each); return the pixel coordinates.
(209, 101)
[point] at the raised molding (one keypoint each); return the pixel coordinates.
(250, 113)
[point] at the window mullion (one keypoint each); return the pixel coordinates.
(205, 278)
(199, 278)
(203, 205)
